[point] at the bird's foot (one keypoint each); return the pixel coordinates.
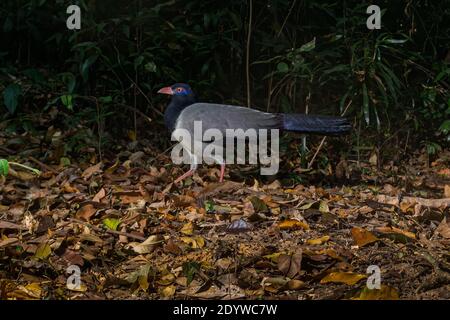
(222, 172)
(184, 176)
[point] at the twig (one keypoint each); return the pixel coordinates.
(35, 171)
(8, 151)
(136, 85)
(120, 233)
(324, 138)
(249, 34)
(143, 115)
(99, 129)
(285, 19)
(162, 153)
(43, 165)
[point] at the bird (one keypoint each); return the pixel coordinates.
(184, 109)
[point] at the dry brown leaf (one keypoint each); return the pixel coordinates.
(290, 265)
(10, 225)
(362, 236)
(100, 195)
(70, 189)
(32, 290)
(188, 229)
(384, 293)
(293, 224)
(172, 247)
(318, 241)
(433, 203)
(444, 228)
(89, 172)
(148, 245)
(86, 212)
(295, 284)
(195, 242)
(131, 197)
(349, 278)
(168, 291)
(8, 242)
(73, 257)
(447, 191)
(394, 230)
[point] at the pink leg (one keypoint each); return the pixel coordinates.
(184, 176)
(222, 172)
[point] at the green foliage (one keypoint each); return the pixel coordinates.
(4, 167)
(303, 54)
(11, 97)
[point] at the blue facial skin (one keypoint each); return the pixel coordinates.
(181, 89)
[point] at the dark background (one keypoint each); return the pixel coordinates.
(303, 56)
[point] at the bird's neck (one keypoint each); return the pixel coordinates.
(176, 105)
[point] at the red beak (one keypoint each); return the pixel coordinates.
(166, 90)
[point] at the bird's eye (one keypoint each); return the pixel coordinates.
(179, 89)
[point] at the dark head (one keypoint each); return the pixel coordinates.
(182, 96)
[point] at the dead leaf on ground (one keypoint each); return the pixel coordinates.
(362, 236)
(290, 265)
(384, 293)
(89, 172)
(349, 278)
(318, 241)
(43, 251)
(188, 229)
(293, 224)
(86, 212)
(10, 225)
(444, 228)
(194, 242)
(100, 195)
(148, 245)
(447, 191)
(394, 231)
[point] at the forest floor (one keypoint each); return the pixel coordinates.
(125, 231)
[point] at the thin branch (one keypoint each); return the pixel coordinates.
(143, 115)
(249, 35)
(286, 19)
(43, 165)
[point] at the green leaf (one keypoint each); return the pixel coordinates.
(209, 206)
(86, 65)
(67, 101)
(308, 46)
(150, 67)
(35, 75)
(190, 269)
(105, 99)
(366, 104)
(11, 97)
(282, 67)
(111, 223)
(258, 204)
(138, 61)
(342, 101)
(445, 128)
(4, 167)
(396, 41)
(71, 83)
(64, 161)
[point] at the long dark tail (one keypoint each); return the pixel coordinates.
(315, 124)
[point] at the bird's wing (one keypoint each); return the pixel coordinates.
(222, 117)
